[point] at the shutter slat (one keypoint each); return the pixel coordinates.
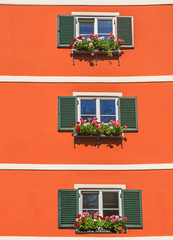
(132, 208)
(128, 113)
(68, 207)
(65, 33)
(124, 30)
(67, 112)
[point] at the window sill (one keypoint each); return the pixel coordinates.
(98, 138)
(77, 231)
(95, 54)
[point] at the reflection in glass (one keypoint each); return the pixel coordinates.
(91, 211)
(107, 119)
(104, 26)
(88, 107)
(110, 200)
(86, 27)
(110, 212)
(90, 201)
(107, 107)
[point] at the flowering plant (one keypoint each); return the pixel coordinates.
(87, 221)
(93, 127)
(95, 43)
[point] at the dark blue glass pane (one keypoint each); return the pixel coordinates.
(104, 26)
(88, 107)
(107, 107)
(107, 119)
(90, 201)
(86, 28)
(105, 36)
(86, 117)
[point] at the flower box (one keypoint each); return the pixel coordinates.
(77, 231)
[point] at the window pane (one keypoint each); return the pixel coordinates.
(88, 107)
(86, 27)
(107, 119)
(90, 201)
(107, 107)
(86, 117)
(110, 213)
(104, 26)
(110, 200)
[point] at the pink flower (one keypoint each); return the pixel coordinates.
(124, 218)
(87, 214)
(89, 119)
(92, 35)
(107, 217)
(94, 122)
(112, 220)
(120, 228)
(113, 216)
(83, 121)
(95, 118)
(120, 216)
(111, 37)
(96, 36)
(117, 125)
(111, 33)
(95, 216)
(125, 126)
(122, 231)
(120, 41)
(117, 219)
(118, 121)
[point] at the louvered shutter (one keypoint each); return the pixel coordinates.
(68, 207)
(65, 30)
(127, 108)
(132, 208)
(125, 31)
(67, 112)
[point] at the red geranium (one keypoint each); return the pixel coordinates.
(74, 39)
(111, 37)
(72, 126)
(78, 216)
(92, 35)
(83, 221)
(76, 224)
(78, 128)
(71, 45)
(79, 37)
(77, 122)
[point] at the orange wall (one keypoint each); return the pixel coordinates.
(28, 202)
(28, 125)
(28, 42)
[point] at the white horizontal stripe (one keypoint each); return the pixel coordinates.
(87, 2)
(85, 167)
(166, 78)
(97, 94)
(87, 238)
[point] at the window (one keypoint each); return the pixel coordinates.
(103, 108)
(70, 26)
(123, 202)
(107, 202)
(102, 26)
(72, 108)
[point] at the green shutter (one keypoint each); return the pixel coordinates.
(128, 113)
(67, 112)
(68, 207)
(124, 30)
(65, 30)
(132, 208)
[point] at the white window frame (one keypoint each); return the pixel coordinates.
(95, 23)
(100, 199)
(97, 105)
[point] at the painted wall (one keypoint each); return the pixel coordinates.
(28, 42)
(28, 125)
(28, 202)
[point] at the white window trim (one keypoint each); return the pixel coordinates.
(99, 186)
(97, 94)
(96, 14)
(97, 106)
(95, 23)
(100, 199)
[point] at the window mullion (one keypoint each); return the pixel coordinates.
(98, 109)
(101, 203)
(79, 108)
(95, 26)
(116, 109)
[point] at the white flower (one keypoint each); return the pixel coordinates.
(91, 44)
(83, 38)
(88, 39)
(77, 219)
(88, 123)
(100, 38)
(79, 41)
(111, 127)
(85, 124)
(106, 124)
